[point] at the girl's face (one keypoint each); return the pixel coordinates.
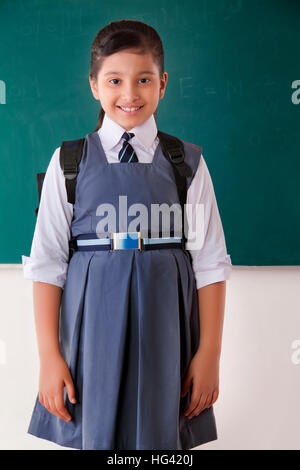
(129, 80)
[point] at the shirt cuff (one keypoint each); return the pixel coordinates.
(216, 272)
(49, 271)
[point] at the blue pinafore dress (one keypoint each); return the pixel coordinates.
(129, 320)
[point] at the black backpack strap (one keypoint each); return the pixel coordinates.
(173, 150)
(70, 156)
(39, 179)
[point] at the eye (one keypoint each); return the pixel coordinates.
(116, 79)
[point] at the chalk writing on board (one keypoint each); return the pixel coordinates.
(175, 20)
(25, 89)
(296, 95)
(210, 91)
(234, 89)
(254, 140)
(2, 92)
(185, 84)
(67, 24)
(224, 10)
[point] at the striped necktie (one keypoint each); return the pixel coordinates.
(127, 154)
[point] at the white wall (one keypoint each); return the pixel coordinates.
(258, 406)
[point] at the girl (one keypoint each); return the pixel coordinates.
(123, 361)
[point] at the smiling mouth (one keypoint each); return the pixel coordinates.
(130, 109)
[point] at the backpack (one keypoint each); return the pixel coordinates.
(70, 157)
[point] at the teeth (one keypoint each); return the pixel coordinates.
(130, 109)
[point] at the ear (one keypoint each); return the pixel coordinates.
(94, 88)
(163, 84)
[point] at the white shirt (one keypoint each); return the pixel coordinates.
(48, 261)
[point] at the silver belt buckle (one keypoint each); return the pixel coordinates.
(123, 241)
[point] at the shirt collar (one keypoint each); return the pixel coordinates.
(111, 132)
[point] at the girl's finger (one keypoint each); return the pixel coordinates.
(195, 397)
(60, 406)
(203, 404)
(70, 389)
(199, 406)
(207, 402)
(53, 409)
(46, 402)
(41, 398)
(215, 396)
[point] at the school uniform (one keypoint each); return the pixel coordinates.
(129, 319)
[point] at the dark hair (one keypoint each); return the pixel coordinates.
(120, 35)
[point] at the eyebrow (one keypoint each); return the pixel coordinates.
(120, 73)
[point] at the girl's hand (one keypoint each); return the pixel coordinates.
(203, 372)
(54, 375)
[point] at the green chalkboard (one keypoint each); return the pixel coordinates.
(233, 88)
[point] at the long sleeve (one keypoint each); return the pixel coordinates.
(48, 261)
(211, 263)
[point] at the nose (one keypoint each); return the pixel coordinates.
(129, 93)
